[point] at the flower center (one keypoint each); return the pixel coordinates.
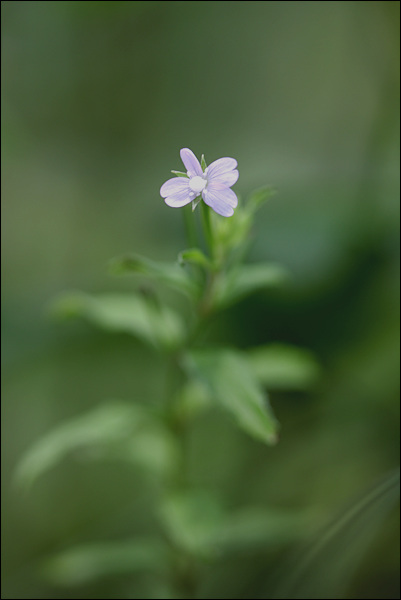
(197, 184)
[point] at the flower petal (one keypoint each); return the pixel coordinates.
(222, 181)
(229, 197)
(191, 163)
(221, 165)
(173, 185)
(178, 199)
(222, 202)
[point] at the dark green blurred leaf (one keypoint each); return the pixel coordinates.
(235, 388)
(152, 447)
(194, 256)
(192, 399)
(232, 233)
(191, 520)
(259, 197)
(197, 523)
(243, 281)
(84, 564)
(260, 527)
(155, 324)
(114, 430)
(171, 274)
(283, 367)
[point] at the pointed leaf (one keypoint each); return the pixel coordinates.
(113, 430)
(87, 563)
(157, 325)
(191, 520)
(234, 387)
(255, 526)
(194, 256)
(171, 274)
(192, 399)
(279, 366)
(259, 197)
(248, 279)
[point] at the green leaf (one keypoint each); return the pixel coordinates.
(194, 256)
(113, 430)
(192, 399)
(179, 174)
(279, 366)
(234, 387)
(255, 526)
(233, 232)
(171, 274)
(153, 448)
(245, 280)
(203, 162)
(191, 520)
(157, 325)
(259, 197)
(196, 522)
(232, 235)
(87, 563)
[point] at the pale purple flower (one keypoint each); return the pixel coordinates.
(212, 185)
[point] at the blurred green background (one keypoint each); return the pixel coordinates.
(98, 98)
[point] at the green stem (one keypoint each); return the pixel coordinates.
(207, 227)
(190, 228)
(183, 572)
(174, 382)
(186, 575)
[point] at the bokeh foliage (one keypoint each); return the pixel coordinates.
(98, 97)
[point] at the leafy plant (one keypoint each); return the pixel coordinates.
(211, 274)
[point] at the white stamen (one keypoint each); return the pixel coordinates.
(197, 184)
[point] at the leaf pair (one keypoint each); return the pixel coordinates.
(233, 285)
(195, 523)
(231, 379)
